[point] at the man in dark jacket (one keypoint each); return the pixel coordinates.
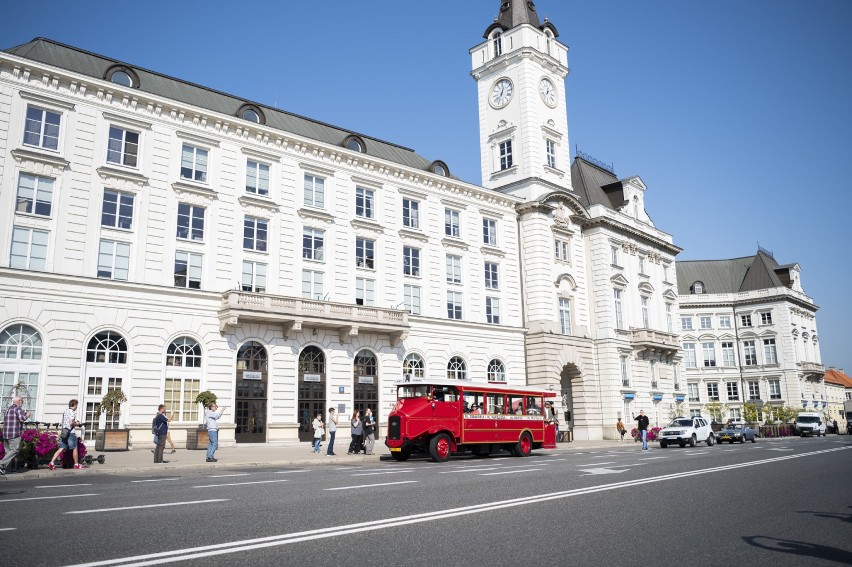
(642, 426)
(161, 425)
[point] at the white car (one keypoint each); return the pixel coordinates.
(683, 430)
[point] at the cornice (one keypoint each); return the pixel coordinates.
(53, 162)
(627, 230)
(122, 177)
(258, 203)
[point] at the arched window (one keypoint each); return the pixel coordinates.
(122, 75)
(20, 356)
(312, 361)
(440, 168)
(354, 143)
(365, 363)
(497, 41)
(496, 371)
(252, 357)
(252, 113)
(457, 369)
(107, 347)
(698, 287)
(413, 367)
(365, 381)
(184, 352)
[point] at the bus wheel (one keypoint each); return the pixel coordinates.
(439, 447)
(401, 455)
(523, 446)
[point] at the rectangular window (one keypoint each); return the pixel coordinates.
(753, 390)
(254, 277)
(257, 178)
(565, 315)
(770, 355)
(190, 222)
(728, 354)
(750, 353)
(454, 274)
(489, 232)
(454, 305)
(646, 318)
(313, 244)
(113, 260)
(669, 326)
(365, 291)
(625, 377)
(641, 264)
(562, 250)
(689, 355)
(412, 299)
(766, 318)
(746, 320)
(188, 270)
(724, 321)
(692, 391)
(179, 398)
(312, 284)
(29, 249)
(619, 322)
(35, 195)
(733, 391)
(314, 191)
(705, 322)
(365, 253)
(713, 391)
(411, 213)
(123, 146)
(506, 154)
(411, 261)
(614, 250)
(117, 210)
(452, 223)
(686, 323)
(491, 281)
(775, 389)
(550, 150)
(492, 310)
(193, 163)
(41, 128)
(709, 352)
(254, 234)
(364, 204)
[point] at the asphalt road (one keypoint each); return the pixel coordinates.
(779, 502)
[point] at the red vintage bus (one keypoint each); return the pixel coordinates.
(441, 417)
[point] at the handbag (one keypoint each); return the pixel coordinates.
(65, 433)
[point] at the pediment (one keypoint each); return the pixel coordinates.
(565, 277)
(619, 280)
(646, 288)
(670, 295)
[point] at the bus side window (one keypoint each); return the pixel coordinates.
(516, 405)
(451, 394)
(532, 406)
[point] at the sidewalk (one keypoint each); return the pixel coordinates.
(141, 460)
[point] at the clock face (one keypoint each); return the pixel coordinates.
(548, 92)
(501, 93)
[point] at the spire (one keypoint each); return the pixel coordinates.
(516, 12)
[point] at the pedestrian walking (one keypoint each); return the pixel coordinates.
(642, 425)
(68, 436)
(161, 426)
(621, 429)
(332, 431)
(369, 431)
(319, 431)
(169, 441)
(211, 418)
(13, 423)
(357, 433)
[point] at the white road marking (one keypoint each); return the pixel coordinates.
(697, 453)
(291, 472)
(46, 497)
(227, 475)
(240, 483)
(241, 546)
(384, 472)
(156, 479)
(602, 470)
(652, 458)
(597, 464)
(372, 485)
(7, 529)
(779, 449)
(148, 506)
(510, 472)
(62, 485)
(470, 470)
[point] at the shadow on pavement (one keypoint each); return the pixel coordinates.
(801, 548)
(843, 516)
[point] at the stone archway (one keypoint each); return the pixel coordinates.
(570, 380)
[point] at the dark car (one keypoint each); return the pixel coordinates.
(738, 433)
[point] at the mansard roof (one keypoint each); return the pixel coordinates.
(595, 185)
(77, 60)
(749, 273)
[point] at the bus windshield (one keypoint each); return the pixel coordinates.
(808, 419)
(413, 391)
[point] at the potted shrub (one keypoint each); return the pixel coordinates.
(112, 438)
(198, 439)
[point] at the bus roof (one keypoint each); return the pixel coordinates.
(471, 385)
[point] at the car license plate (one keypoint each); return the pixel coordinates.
(395, 449)
(726, 436)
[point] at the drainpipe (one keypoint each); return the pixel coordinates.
(738, 359)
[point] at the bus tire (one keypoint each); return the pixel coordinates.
(524, 446)
(401, 455)
(440, 447)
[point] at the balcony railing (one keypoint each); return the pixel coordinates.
(649, 341)
(294, 313)
(813, 370)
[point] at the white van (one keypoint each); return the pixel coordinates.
(810, 423)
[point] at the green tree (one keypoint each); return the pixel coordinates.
(675, 410)
(715, 410)
(750, 411)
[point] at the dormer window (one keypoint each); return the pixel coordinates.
(439, 168)
(697, 288)
(497, 39)
(122, 75)
(251, 113)
(354, 143)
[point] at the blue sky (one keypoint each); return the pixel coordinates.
(737, 115)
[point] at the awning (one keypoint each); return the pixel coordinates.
(657, 397)
(629, 396)
(680, 398)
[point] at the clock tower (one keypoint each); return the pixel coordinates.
(520, 72)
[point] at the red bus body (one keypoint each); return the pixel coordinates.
(441, 417)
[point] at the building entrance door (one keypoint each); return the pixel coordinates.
(250, 408)
(311, 390)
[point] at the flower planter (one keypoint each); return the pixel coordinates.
(112, 440)
(197, 439)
